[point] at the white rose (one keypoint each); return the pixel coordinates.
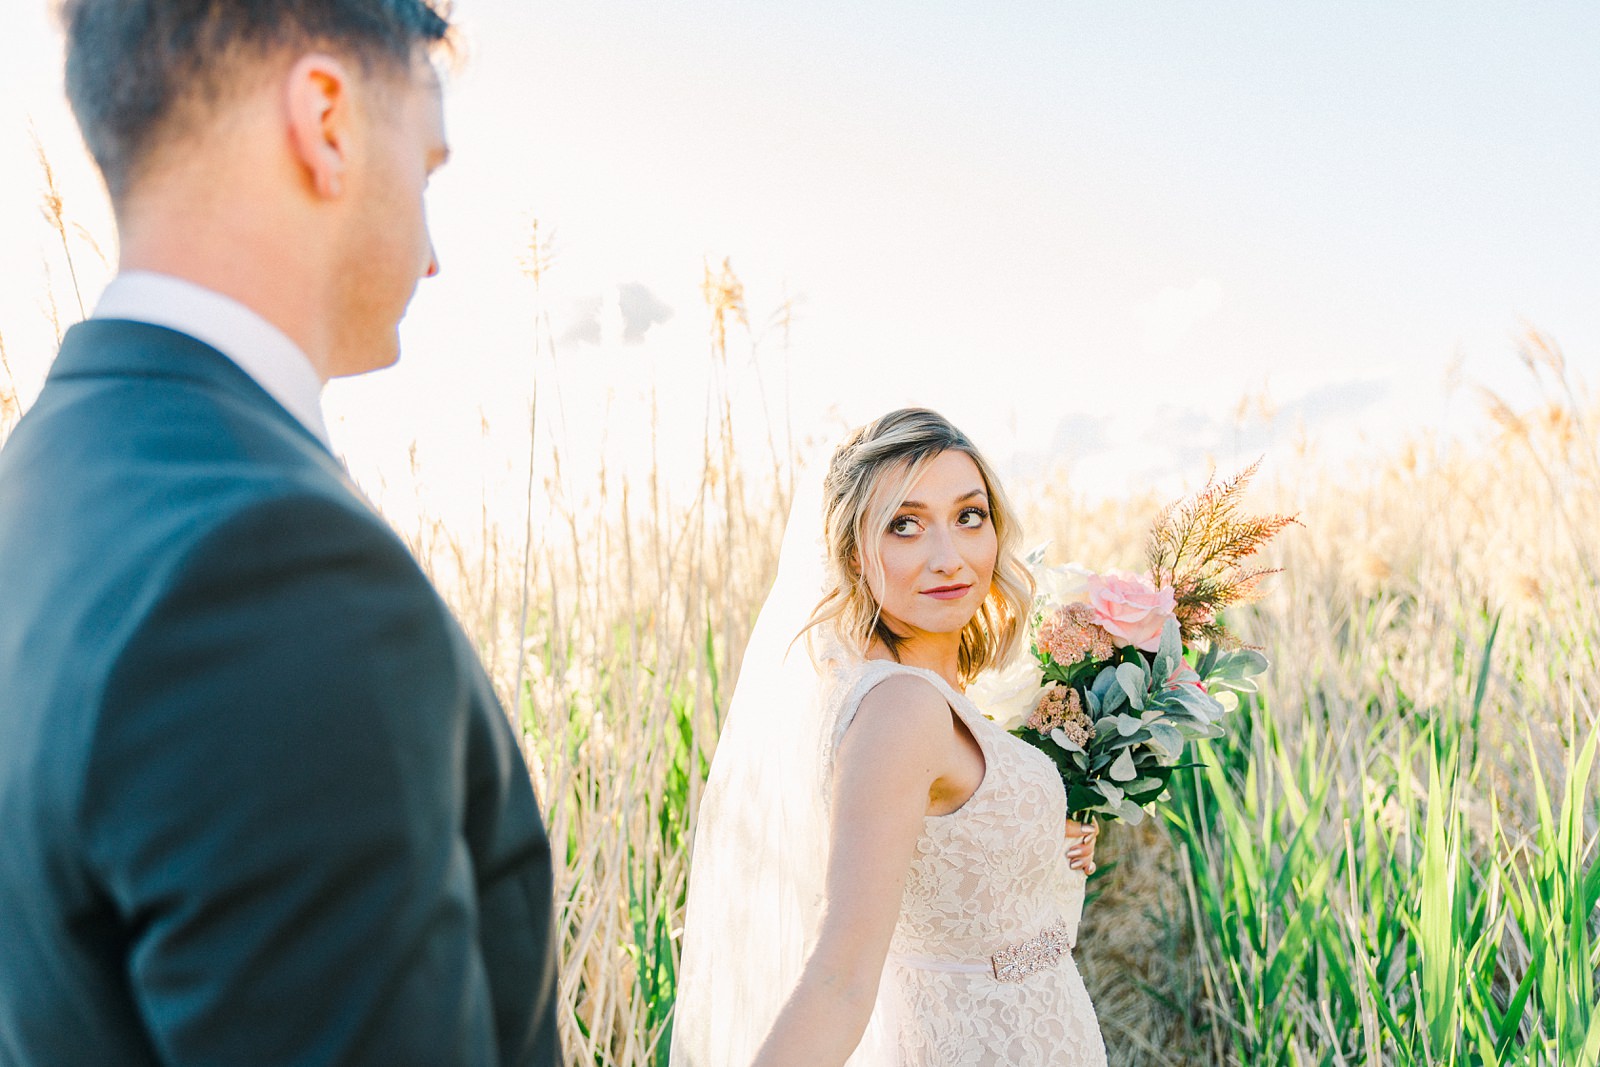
(1062, 585)
(1008, 694)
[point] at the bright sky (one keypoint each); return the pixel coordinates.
(1086, 231)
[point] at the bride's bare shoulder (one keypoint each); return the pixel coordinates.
(902, 703)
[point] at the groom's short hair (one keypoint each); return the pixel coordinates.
(138, 71)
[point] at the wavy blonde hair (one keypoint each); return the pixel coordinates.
(900, 445)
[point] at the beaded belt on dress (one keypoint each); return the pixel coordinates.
(1012, 963)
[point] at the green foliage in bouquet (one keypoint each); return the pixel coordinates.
(1117, 737)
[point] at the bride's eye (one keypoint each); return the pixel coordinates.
(973, 518)
(904, 526)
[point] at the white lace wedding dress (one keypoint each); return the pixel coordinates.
(980, 971)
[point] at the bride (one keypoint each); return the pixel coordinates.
(881, 875)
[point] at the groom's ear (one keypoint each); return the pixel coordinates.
(318, 100)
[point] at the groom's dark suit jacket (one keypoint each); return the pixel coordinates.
(258, 804)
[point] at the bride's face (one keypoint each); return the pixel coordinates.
(938, 550)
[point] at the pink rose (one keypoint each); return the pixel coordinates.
(1130, 608)
(1183, 674)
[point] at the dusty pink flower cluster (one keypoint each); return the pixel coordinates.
(1061, 707)
(1069, 633)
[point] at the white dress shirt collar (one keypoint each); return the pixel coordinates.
(261, 350)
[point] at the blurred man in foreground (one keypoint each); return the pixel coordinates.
(261, 805)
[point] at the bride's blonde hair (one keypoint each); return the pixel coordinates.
(902, 444)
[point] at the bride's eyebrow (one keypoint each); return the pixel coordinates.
(917, 505)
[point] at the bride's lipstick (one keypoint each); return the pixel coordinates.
(948, 592)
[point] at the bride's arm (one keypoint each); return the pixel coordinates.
(889, 764)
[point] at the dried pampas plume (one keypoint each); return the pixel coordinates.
(1199, 546)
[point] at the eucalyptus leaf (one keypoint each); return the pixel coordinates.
(1206, 706)
(1170, 651)
(1113, 699)
(1059, 736)
(1179, 716)
(1166, 737)
(1201, 705)
(1160, 700)
(1128, 725)
(1135, 683)
(1132, 741)
(1198, 730)
(1248, 661)
(1123, 769)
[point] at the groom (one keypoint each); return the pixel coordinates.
(259, 802)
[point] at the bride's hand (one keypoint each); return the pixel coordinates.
(1081, 838)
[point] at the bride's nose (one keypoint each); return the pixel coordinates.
(944, 558)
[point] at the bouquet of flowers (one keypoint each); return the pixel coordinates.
(1125, 669)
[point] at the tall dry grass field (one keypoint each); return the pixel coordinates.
(1390, 860)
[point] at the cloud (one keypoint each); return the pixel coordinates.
(1336, 400)
(1162, 448)
(641, 309)
(1191, 435)
(630, 310)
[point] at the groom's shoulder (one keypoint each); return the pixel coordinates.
(149, 474)
(149, 452)
(118, 496)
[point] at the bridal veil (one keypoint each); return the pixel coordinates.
(760, 846)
